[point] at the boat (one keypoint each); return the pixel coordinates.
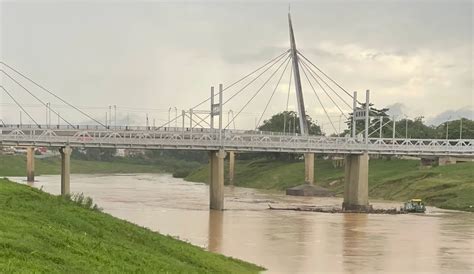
(414, 205)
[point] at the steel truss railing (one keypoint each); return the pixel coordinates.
(236, 140)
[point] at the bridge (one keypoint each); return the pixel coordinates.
(197, 131)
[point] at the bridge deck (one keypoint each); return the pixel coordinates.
(235, 140)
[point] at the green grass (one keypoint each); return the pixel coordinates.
(40, 232)
(450, 187)
(15, 165)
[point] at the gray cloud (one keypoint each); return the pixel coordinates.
(160, 54)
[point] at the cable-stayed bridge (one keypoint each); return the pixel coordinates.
(195, 128)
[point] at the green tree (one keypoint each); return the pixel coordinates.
(288, 121)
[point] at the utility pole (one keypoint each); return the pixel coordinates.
(339, 130)
(367, 113)
(447, 129)
(183, 113)
(354, 109)
(169, 117)
(406, 127)
(49, 120)
(212, 108)
(381, 122)
(46, 122)
(175, 117)
(393, 130)
(191, 119)
(220, 113)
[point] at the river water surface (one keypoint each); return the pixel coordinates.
(439, 241)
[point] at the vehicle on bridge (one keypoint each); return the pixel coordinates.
(414, 205)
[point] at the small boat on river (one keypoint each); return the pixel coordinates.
(414, 206)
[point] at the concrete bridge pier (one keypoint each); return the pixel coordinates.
(216, 179)
(356, 183)
(231, 167)
(309, 168)
(65, 169)
(30, 164)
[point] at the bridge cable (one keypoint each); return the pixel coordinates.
(337, 106)
(258, 91)
(278, 59)
(235, 94)
(307, 78)
(170, 121)
(273, 93)
(243, 78)
(44, 104)
(48, 91)
(19, 105)
(332, 80)
(321, 79)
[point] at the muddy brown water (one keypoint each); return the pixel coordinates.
(440, 241)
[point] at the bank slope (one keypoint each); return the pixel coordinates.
(15, 165)
(40, 232)
(450, 187)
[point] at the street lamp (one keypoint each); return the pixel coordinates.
(406, 127)
(175, 117)
(115, 116)
(169, 116)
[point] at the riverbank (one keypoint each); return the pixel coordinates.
(40, 232)
(449, 187)
(15, 165)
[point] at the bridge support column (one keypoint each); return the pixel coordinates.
(356, 183)
(216, 179)
(309, 168)
(231, 167)
(30, 164)
(65, 169)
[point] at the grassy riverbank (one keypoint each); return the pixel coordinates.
(40, 232)
(15, 165)
(450, 187)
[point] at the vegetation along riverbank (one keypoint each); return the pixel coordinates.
(43, 233)
(449, 187)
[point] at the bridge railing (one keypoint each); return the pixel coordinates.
(236, 140)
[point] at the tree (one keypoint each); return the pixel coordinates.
(374, 121)
(454, 129)
(288, 121)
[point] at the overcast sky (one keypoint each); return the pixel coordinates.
(145, 57)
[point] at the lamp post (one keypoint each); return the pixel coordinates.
(169, 116)
(406, 127)
(175, 117)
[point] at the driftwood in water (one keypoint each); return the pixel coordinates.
(337, 210)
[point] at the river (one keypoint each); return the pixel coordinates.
(440, 241)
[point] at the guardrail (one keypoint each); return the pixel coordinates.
(209, 139)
